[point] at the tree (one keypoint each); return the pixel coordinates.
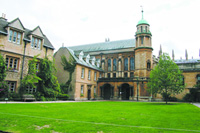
(3, 84)
(166, 78)
(2, 68)
(49, 86)
(31, 79)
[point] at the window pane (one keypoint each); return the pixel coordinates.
(10, 35)
(81, 89)
(109, 64)
(89, 74)
(19, 38)
(126, 64)
(132, 63)
(114, 64)
(39, 44)
(142, 40)
(15, 63)
(32, 43)
(15, 36)
(11, 62)
(7, 59)
(36, 43)
(82, 73)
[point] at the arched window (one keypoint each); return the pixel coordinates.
(109, 64)
(114, 64)
(132, 63)
(126, 64)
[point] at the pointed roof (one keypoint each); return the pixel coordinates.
(37, 31)
(16, 23)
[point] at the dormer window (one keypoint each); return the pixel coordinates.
(88, 58)
(36, 43)
(15, 36)
(81, 55)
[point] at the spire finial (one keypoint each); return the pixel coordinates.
(186, 55)
(173, 54)
(142, 11)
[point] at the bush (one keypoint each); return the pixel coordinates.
(14, 96)
(62, 96)
(3, 89)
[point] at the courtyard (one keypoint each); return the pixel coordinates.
(99, 117)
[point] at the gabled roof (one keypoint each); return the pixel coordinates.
(110, 45)
(16, 23)
(37, 31)
(27, 32)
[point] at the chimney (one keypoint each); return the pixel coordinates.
(3, 17)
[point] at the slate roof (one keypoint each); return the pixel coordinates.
(183, 61)
(4, 24)
(102, 46)
(82, 62)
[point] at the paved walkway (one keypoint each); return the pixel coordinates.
(196, 104)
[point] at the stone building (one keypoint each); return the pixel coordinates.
(18, 45)
(126, 65)
(85, 76)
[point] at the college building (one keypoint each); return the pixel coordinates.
(119, 70)
(18, 45)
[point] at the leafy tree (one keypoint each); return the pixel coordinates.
(165, 78)
(31, 79)
(2, 68)
(49, 86)
(3, 84)
(68, 66)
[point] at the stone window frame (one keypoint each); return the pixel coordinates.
(83, 73)
(36, 43)
(30, 90)
(12, 63)
(15, 36)
(12, 86)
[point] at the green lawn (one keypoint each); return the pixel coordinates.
(99, 117)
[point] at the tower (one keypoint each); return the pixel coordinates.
(143, 49)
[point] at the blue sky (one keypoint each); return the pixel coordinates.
(174, 23)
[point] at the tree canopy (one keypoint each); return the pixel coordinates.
(166, 78)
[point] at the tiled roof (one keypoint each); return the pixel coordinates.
(82, 62)
(110, 45)
(183, 61)
(4, 24)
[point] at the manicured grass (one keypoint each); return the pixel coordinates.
(99, 117)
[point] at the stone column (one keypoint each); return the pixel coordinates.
(144, 41)
(129, 66)
(120, 68)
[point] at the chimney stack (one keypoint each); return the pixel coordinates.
(4, 16)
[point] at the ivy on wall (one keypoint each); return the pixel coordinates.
(70, 67)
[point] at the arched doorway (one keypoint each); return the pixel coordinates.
(107, 91)
(125, 91)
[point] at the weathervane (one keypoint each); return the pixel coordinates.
(142, 11)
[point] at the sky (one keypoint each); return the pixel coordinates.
(174, 24)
